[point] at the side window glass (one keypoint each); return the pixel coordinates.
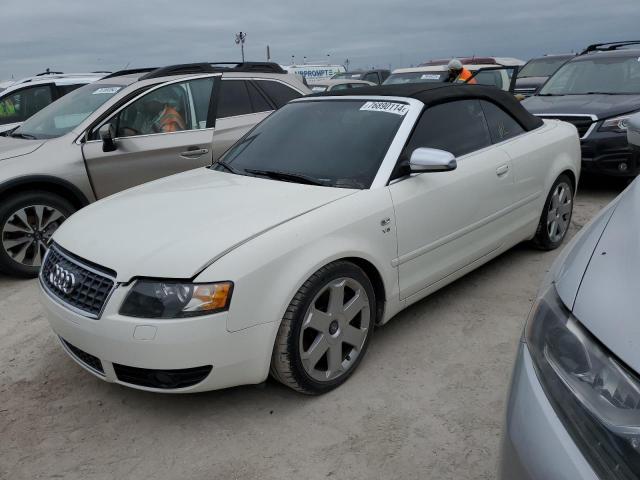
(259, 103)
(279, 93)
(172, 108)
(20, 105)
(502, 126)
(234, 99)
(64, 89)
(458, 127)
(341, 86)
(371, 77)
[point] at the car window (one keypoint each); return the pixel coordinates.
(502, 126)
(166, 109)
(278, 92)
(64, 89)
(234, 99)
(492, 78)
(358, 85)
(341, 86)
(65, 114)
(338, 143)
(20, 105)
(542, 67)
(371, 77)
(416, 77)
(258, 101)
(458, 127)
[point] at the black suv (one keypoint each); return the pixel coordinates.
(597, 91)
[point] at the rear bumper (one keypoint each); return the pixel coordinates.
(535, 444)
(608, 153)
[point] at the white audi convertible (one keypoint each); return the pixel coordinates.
(321, 223)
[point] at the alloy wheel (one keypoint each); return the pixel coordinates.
(26, 233)
(334, 329)
(559, 213)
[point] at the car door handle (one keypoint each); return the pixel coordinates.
(502, 169)
(194, 152)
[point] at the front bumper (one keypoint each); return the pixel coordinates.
(127, 349)
(608, 153)
(535, 444)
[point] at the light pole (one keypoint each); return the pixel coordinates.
(240, 41)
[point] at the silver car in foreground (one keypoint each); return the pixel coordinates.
(574, 407)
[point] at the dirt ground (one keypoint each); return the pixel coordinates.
(426, 403)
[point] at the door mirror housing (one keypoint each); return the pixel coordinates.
(107, 133)
(432, 160)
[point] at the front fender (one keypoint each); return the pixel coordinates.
(268, 271)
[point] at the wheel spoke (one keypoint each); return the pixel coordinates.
(312, 356)
(354, 336)
(37, 255)
(21, 254)
(336, 298)
(12, 243)
(54, 216)
(317, 320)
(13, 228)
(22, 216)
(355, 305)
(39, 214)
(334, 360)
(564, 208)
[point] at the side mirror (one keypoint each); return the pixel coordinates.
(431, 160)
(107, 133)
(633, 131)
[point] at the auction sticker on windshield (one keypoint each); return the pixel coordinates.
(389, 107)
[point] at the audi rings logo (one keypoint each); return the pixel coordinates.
(62, 280)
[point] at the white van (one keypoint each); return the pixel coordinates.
(315, 72)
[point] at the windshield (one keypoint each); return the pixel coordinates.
(64, 115)
(347, 76)
(337, 143)
(610, 75)
(416, 77)
(542, 67)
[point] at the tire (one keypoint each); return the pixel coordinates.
(297, 359)
(555, 220)
(27, 221)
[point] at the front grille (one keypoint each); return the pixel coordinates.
(86, 358)
(75, 283)
(164, 379)
(582, 123)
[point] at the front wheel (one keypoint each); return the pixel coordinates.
(556, 215)
(326, 329)
(27, 222)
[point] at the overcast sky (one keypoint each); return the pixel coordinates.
(86, 35)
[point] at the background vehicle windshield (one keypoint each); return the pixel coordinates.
(613, 75)
(64, 115)
(416, 77)
(541, 67)
(347, 76)
(338, 143)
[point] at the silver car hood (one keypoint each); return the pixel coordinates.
(173, 227)
(608, 299)
(15, 147)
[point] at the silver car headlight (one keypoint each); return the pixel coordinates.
(171, 299)
(596, 397)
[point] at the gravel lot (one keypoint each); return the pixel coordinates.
(426, 403)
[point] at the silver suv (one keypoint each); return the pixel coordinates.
(126, 129)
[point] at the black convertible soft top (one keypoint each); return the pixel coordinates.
(433, 94)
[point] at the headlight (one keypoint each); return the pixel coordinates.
(616, 124)
(167, 299)
(596, 397)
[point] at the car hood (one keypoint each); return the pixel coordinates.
(608, 299)
(15, 147)
(174, 227)
(602, 106)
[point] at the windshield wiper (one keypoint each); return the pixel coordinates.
(26, 136)
(286, 176)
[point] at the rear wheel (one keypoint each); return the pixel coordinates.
(27, 222)
(556, 215)
(326, 330)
